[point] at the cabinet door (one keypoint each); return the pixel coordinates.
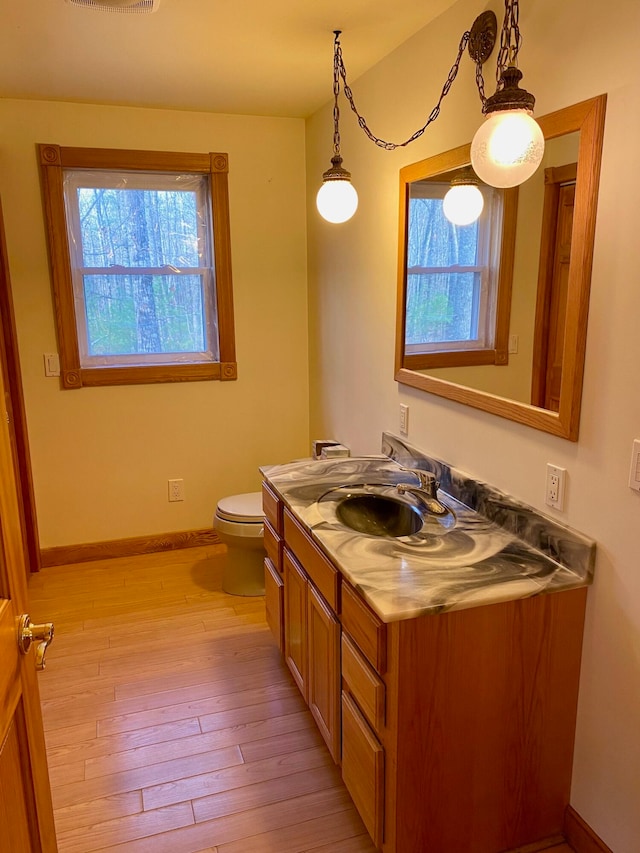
(274, 601)
(295, 622)
(363, 768)
(323, 630)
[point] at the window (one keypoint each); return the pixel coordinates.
(451, 278)
(141, 263)
(451, 273)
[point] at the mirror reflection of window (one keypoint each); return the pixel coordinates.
(452, 272)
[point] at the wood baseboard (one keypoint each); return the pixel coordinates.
(65, 554)
(580, 835)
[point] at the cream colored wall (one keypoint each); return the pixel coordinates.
(572, 51)
(102, 456)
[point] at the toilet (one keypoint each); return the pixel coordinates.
(239, 522)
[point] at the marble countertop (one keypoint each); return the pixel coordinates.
(477, 561)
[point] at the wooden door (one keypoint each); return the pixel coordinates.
(26, 815)
(323, 630)
(553, 280)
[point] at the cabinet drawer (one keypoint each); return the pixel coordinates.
(367, 629)
(363, 684)
(363, 768)
(274, 602)
(273, 546)
(272, 508)
(323, 574)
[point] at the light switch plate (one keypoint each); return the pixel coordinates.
(51, 364)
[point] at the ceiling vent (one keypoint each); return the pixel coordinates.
(139, 7)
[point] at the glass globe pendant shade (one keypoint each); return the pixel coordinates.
(463, 204)
(508, 148)
(337, 200)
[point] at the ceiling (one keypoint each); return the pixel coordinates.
(226, 56)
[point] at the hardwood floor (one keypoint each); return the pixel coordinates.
(172, 725)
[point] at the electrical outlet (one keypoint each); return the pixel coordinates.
(556, 482)
(176, 490)
(404, 419)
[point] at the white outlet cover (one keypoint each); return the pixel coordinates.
(555, 486)
(404, 419)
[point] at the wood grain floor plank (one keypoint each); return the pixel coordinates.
(66, 773)
(237, 828)
(125, 829)
(85, 814)
(184, 673)
(301, 836)
(189, 788)
(290, 742)
(205, 707)
(71, 734)
(262, 793)
(260, 711)
(173, 772)
(234, 661)
(104, 706)
(122, 743)
(238, 735)
(357, 844)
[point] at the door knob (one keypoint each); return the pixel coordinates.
(29, 633)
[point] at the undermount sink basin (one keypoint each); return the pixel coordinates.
(378, 510)
(379, 515)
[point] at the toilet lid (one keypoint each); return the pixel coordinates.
(242, 507)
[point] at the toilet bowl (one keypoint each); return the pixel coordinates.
(239, 522)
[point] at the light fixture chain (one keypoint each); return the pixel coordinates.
(336, 92)
(510, 39)
(480, 82)
(433, 115)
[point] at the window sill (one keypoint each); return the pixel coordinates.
(95, 376)
(458, 358)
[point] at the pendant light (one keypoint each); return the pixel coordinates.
(464, 201)
(508, 148)
(337, 199)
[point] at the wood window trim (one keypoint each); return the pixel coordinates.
(53, 160)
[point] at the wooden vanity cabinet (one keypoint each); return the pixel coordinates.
(455, 731)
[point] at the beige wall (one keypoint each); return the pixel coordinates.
(102, 456)
(572, 51)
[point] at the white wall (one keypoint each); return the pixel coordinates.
(572, 50)
(102, 456)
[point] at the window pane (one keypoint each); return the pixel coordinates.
(442, 307)
(139, 228)
(436, 242)
(136, 314)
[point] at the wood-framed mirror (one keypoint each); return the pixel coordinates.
(548, 268)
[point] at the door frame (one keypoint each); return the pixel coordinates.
(14, 403)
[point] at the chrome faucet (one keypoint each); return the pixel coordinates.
(426, 491)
